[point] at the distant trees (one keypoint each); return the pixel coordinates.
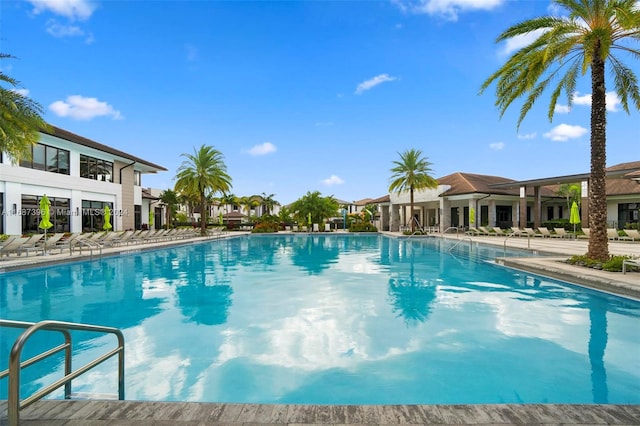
(170, 199)
(314, 204)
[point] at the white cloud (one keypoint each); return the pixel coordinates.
(449, 9)
(263, 149)
(518, 42)
(23, 92)
(59, 30)
(82, 108)
(72, 9)
(612, 100)
(564, 132)
(562, 109)
(496, 146)
(333, 180)
(373, 82)
(528, 136)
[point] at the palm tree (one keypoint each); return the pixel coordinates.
(201, 173)
(20, 119)
(170, 199)
(566, 48)
(411, 172)
(229, 200)
(268, 202)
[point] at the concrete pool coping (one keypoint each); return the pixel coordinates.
(100, 412)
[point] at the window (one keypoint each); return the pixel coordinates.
(48, 158)
(137, 178)
(94, 168)
(31, 215)
(93, 215)
(549, 212)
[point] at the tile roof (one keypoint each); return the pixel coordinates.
(471, 183)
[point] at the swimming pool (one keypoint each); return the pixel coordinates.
(335, 319)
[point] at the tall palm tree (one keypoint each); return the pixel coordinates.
(268, 202)
(20, 119)
(229, 200)
(201, 173)
(411, 173)
(567, 48)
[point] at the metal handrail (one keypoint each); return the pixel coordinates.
(460, 241)
(514, 234)
(451, 227)
(15, 366)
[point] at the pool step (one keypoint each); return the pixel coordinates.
(90, 396)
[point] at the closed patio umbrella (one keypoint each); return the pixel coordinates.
(472, 216)
(574, 218)
(45, 215)
(107, 218)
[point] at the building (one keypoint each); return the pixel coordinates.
(465, 198)
(80, 177)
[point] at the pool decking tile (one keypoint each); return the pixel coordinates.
(128, 413)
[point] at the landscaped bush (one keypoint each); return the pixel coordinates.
(265, 227)
(362, 227)
(560, 223)
(614, 264)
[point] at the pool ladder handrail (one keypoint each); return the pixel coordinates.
(460, 241)
(451, 227)
(14, 405)
(514, 234)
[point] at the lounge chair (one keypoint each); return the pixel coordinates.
(12, 245)
(473, 231)
(586, 232)
(327, 227)
(484, 230)
(531, 233)
(560, 233)
(612, 234)
(51, 242)
(544, 232)
(316, 227)
(630, 262)
(31, 245)
(633, 234)
(517, 232)
(498, 232)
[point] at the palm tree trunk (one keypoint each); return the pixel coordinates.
(411, 212)
(203, 216)
(598, 241)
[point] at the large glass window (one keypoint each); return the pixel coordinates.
(31, 214)
(49, 158)
(628, 215)
(95, 168)
(93, 215)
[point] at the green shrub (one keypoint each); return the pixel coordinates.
(614, 264)
(264, 227)
(362, 227)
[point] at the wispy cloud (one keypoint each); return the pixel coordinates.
(83, 108)
(496, 146)
(59, 30)
(191, 51)
(564, 132)
(72, 9)
(612, 100)
(23, 92)
(373, 82)
(518, 42)
(527, 136)
(448, 9)
(263, 149)
(332, 180)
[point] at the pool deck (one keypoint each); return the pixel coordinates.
(128, 413)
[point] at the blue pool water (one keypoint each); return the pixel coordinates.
(348, 319)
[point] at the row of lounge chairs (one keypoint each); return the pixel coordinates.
(543, 232)
(59, 242)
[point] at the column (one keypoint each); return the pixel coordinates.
(445, 214)
(394, 225)
(492, 213)
(584, 204)
(523, 208)
(537, 207)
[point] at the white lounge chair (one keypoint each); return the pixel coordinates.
(12, 245)
(586, 232)
(544, 232)
(560, 233)
(633, 234)
(630, 262)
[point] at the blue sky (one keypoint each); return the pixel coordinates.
(298, 95)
